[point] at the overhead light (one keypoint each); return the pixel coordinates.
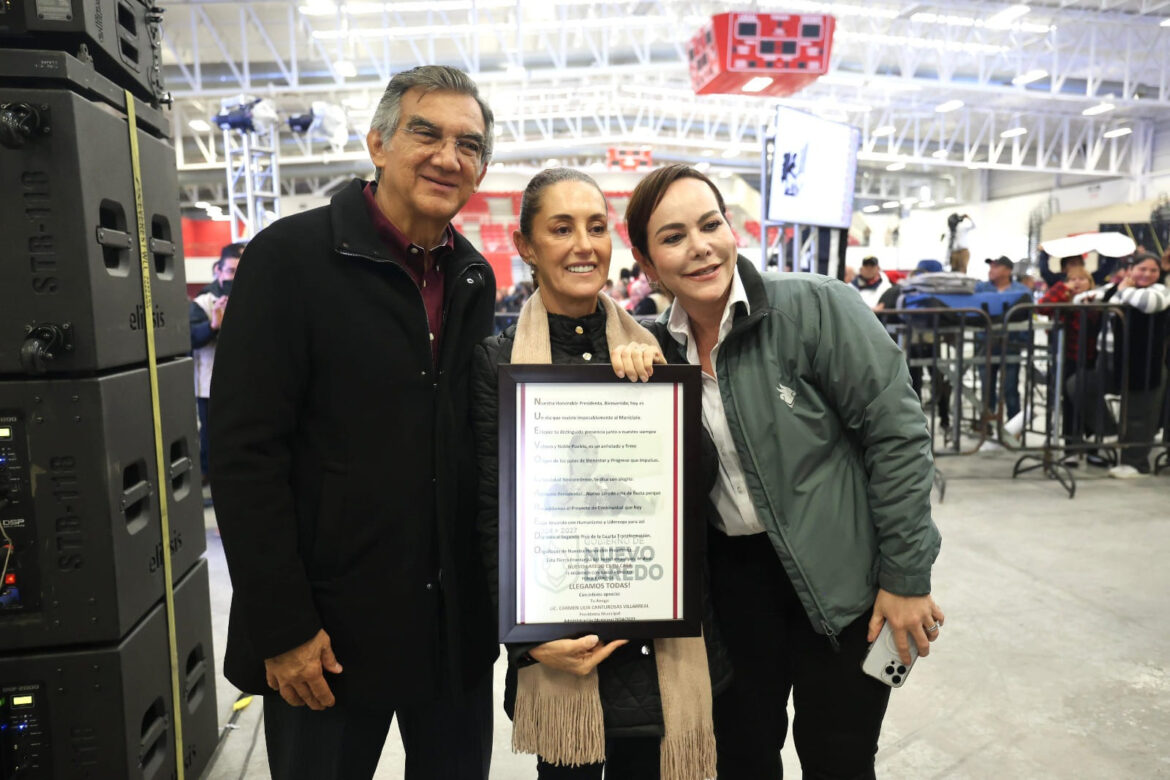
(941, 154)
(318, 8)
(920, 42)
(891, 204)
(702, 167)
(1100, 108)
(924, 192)
(199, 125)
(896, 166)
(1165, 22)
(871, 208)
(202, 204)
(950, 105)
(884, 130)
(973, 166)
(1005, 17)
(955, 20)
(707, 153)
(345, 69)
(1029, 77)
(1013, 132)
(1118, 132)
(758, 84)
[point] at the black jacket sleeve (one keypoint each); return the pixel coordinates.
(485, 422)
(261, 374)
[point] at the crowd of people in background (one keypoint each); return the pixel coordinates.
(1119, 351)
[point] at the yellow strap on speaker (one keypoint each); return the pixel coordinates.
(160, 458)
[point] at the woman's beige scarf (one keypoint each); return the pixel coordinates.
(558, 715)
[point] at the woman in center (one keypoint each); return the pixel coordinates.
(640, 710)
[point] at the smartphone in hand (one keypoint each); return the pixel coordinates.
(883, 662)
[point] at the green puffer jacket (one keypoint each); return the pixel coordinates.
(832, 440)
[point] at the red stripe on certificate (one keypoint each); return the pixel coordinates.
(521, 547)
(676, 455)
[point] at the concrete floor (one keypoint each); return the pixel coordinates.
(1054, 662)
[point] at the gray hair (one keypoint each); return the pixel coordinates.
(430, 78)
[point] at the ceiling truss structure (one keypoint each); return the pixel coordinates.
(570, 78)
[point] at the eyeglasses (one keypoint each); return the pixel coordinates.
(429, 138)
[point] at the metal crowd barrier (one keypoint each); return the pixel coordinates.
(964, 365)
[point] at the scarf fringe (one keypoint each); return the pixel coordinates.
(564, 729)
(688, 756)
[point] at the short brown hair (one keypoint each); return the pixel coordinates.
(649, 193)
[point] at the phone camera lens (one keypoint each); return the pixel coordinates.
(889, 670)
(897, 679)
(901, 669)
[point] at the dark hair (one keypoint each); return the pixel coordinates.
(230, 252)
(534, 192)
(871, 260)
(1141, 257)
(430, 78)
(649, 193)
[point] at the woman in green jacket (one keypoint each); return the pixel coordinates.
(823, 493)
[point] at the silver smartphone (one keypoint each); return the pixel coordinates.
(883, 662)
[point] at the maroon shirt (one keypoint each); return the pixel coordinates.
(427, 276)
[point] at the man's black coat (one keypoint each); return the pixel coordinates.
(343, 464)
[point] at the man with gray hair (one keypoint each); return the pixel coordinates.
(343, 468)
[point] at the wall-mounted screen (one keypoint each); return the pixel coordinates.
(813, 171)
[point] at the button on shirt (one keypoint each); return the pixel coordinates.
(737, 514)
(427, 276)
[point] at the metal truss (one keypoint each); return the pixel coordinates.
(253, 176)
(570, 78)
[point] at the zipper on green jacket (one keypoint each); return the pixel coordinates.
(736, 330)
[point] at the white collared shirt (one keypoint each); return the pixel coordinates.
(737, 515)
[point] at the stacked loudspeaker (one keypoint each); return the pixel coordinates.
(85, 673)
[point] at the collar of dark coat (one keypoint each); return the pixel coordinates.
(354, 234)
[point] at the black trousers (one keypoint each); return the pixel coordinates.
(631, 758)
(774, 651)
(444, 739)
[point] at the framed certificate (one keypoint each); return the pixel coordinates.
(601, 527)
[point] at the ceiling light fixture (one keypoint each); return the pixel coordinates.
(1014, 132)
(199, 125)
(884, 130)
(1119, 132)
(871, 208)
(758, 84)
(941, 154)
(1006, 17)
(1100, 108)
(950, 105)
(921, 42)
(891, 204)
(1029, 77)
(896, 166)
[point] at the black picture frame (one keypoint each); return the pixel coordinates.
(693, 547)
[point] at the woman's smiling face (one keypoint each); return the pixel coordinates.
(691, 246)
